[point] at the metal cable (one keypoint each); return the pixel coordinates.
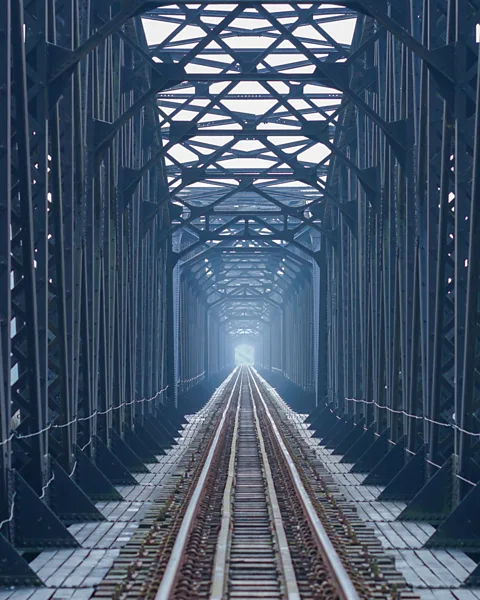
(191, 378)
(10, 518)
(77, 419)
(418, 417)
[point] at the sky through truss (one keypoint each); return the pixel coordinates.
(247, 134)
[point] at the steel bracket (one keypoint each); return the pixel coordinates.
(370, 457)
(389, 464)
(461, 529)
(182, 130)
(139, 447)
(14, 569)
(409, 480)
(126, 454)
(36, 526)
(350, 438)
(433, 502)
(151, 441)
(111, 466)
(92, 481)
(344, 427)
(69, 501)
(324, 421)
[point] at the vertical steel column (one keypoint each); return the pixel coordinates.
(5, 254)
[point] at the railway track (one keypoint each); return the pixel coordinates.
(252, 558)
(267, 540)
(252, 518)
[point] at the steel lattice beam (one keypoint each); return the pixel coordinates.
(177, 177)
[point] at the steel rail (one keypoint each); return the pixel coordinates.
(345, 587)
(220, 570)
(221, 552)
(175, 560)
(277, 520)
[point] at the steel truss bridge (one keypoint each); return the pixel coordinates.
(181, 178)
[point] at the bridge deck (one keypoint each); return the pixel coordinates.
(434, 574)
(73, 573)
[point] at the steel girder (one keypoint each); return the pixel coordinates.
(386, 213)
(245, 149)
(82, 270)
(399, 295)
(245, 175)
